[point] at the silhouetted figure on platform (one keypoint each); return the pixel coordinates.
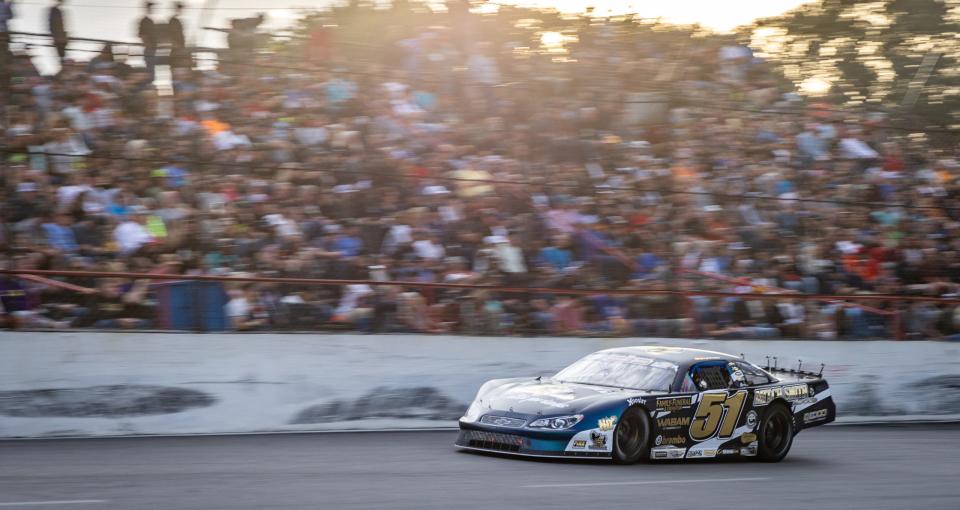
(58, 29)
(6, 58)
(147, 30)
(6, 16)
(242, 38)
(179, 56)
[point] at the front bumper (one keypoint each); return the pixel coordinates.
(519, 442)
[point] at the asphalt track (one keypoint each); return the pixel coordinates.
(876, 467)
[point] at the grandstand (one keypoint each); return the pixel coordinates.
(617, 179)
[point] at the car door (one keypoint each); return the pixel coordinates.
(721, 414)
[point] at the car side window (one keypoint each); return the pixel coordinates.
(688, 385)
(753, 375)
(710, 376)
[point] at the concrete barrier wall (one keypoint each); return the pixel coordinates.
(75, 383)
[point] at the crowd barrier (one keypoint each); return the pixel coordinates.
(109, 384)
(196, 302)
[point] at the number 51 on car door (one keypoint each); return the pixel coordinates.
(717, 411)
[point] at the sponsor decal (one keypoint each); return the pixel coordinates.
(694, 453)
(598, 440)
(815, 416)
(764, 396)
(667, 452)
(796, 392)
(670, 440)
(636, 401)
(673, 423)
(752, 420)
(607, 423)
(674, 403)
(792, 393)
(728, 451)
(593, 440)
(748, 438)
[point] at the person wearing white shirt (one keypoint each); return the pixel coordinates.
(131, 235)
(510, 256)
(398, 235)
(428, 246)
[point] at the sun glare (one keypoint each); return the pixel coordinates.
(551, 39)
(711, 14)
(815, 86)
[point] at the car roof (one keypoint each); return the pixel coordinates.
(682, 356)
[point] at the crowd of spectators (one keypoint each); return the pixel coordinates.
(459, 152)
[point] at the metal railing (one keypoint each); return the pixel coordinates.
(467, 304)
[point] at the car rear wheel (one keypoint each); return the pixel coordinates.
(631, 438)
(776, 434)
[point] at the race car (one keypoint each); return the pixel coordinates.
(649, 403)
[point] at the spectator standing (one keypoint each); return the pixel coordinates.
(6, 58)
(147, 30)
(6, 15)
(58, 29)
(179, 57)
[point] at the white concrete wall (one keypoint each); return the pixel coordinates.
(263, 382)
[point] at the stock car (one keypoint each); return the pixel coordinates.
(640, 403)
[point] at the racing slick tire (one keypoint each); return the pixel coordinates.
(775, 433)
(631, 438)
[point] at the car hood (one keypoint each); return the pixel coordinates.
(545, 396)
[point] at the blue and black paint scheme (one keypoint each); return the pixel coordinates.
(717, 416)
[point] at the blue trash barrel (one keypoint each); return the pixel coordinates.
(191, 306)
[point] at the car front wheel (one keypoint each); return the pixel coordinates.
(631, 438)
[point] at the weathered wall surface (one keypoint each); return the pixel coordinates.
(77, 383)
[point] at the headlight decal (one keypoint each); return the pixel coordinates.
(556, 422)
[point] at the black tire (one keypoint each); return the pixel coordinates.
(631, 438)
(775, 433)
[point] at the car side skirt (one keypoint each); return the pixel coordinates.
(540, 455)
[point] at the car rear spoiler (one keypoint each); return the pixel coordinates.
(784, 370)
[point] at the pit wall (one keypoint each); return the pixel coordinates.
(106, 384)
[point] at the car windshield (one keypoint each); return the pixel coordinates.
(621, 371)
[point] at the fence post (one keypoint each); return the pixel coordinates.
(690, 312)
(897, 324)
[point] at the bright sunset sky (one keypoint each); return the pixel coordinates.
(716, 14)
(116, 19)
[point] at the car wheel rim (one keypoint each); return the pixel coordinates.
(630, 437)
(775, 433)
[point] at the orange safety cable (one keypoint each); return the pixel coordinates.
(56, 283)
